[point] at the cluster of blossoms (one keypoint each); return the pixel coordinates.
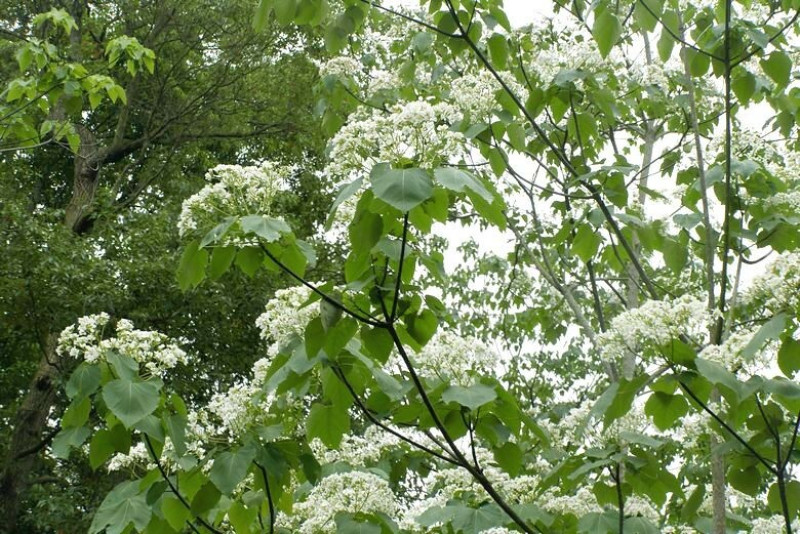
(341, 67)
(730, 353)
(358, 451)
(775, 524)
(778, 288)
(352, 492)
(233, 190)
(454, 358)
(648, 328)
(155, 351)
(415, 133)
(579, 502)
(138, 455)
(285, 317)
(475, 94)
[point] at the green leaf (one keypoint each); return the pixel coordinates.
(267, 228)
(345, 192)
(509, 458)
(221, 260)
(84, 380)
(458, 180)
(101, 448)
(230, 468)
(498, 50)
(587, 241)
(262, 14)
(665, 409)
(646, 13)
(606, 30)
(743, 85)
(328, 423)
(770, 330)
(76, 414)
(174, 512)
(284, 11)
(249, 259)
(747, 480)
(122, 507)
(403, 189)
(217, 232)
(473, 397)
(597, 523)
(68, 439)
(241, 518)
(346, 524)
(778, 66)
(789, 357)
(792, 498)
(192, 268)
(378, 342)
(130, 400)
(422, 327)
(205, 499)
(475, 520)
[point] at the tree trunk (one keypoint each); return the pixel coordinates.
(26, 440)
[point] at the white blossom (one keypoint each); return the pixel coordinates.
(233, 190)
(358, 451)
(655, 323)
(475, 94)
(341, 67)
(284, 317)
(351, 492)
(580, 502)
(155, 351)
(778, 287)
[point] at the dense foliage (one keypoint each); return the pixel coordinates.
(626, 364)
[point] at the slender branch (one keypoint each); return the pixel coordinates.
(398, 282)
(174, 489)
(270, 502)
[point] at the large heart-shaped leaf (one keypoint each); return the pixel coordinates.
(403, 189)
(131, 401)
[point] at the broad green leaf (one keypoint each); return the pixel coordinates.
(473, 397)
(122, 507)
(476, 520)
(587, 241)
(345, 192)
(192, 268)
(422, 327)
(230, 468)
(221, 260)
(378, 342)
(743, 85)
(747, 480)
(789, 357)
(606, 30)
(792, 498)
(770, 330)
(101, 448)
(76, 414)
(268, 228)
(205, 499)
(598, 523)
(130, 400)
(498, 50)
(84, 380)
(175, 513)
(665, 409)
(346, 524)
(124, 366)
(249, 259)
(458, 180)
(328, 423)
(646, 13)
(241, 517)
(509, 458)
(217, 232)
(717, 374)
(403, 189)
(778, 66)
(68, 439)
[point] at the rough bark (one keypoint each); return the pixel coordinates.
(26, 441)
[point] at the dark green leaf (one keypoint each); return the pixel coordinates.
(230, 468)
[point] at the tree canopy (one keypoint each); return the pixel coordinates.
(624, 359)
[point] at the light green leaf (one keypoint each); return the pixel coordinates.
(586, 242)
(606, 30)
(778, 66)
(192, 268)
(403, 189)
(84, 380)
(458, 180)
(130, 400)
(68, 439)
(473, 397)
(267, 228)
(789, 357)
(770, 330)
(122, 507)
(328, 423)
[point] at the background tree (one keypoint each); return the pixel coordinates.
(675, 406)
(94, 176)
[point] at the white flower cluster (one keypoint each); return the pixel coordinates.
(787, 202)
(730, 353)
(636, 506)
(454, 358)
(342, 67)
(285, 317)
(579, 503)
(775, 524)
(496, 530)
(475, 94)
(138, 455)
(415, 132)
(644, 330)
(155, 351)
(778, 288)
(233, 190)
(239, 408)
(351, 492)
(358, 451)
